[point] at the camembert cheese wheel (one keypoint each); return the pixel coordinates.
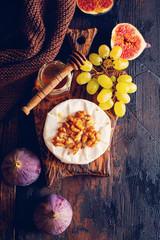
(59, 114)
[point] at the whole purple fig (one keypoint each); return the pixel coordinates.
(21, 167)
(53, 215)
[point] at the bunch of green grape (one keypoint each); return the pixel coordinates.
(113, 92)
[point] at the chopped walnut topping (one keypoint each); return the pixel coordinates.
(79, 124)
(70, 118)
(66, 125)
(68, 141)
(90, 129)
(77, 132)
(61, 135)
(74, 129)
(62, 129)
(84, 138)
(76, 148)
(80, 114)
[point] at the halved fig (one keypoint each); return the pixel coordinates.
(95, 6)
(130, 39)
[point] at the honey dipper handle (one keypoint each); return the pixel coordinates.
(47, 89)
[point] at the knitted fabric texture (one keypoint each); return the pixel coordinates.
(38, 37)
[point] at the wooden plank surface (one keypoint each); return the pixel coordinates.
(8, 141)
(124, 206)
(54, 169)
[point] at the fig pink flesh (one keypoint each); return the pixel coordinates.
(130, 39)
(95, 6)
(126, 38)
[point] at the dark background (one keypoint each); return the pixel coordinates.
(124, 206)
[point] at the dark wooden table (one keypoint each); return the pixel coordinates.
(124, 206)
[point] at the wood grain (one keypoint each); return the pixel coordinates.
(81, 40)
(7, 193)
(124, 206)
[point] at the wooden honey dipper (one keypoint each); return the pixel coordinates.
(74, 62)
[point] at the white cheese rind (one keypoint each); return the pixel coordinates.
(59, 114)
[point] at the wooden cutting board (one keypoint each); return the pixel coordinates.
(80, 40)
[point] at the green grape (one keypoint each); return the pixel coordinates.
(113, 78)
(105, 81)
(119, 109)
(103, 51)
(104, 95)
(87, 67)
(116, 52)
(107, 105)
(123, 97)
(132, 87)
(92, 86)
(122, 87)
(124, 78)
(95, 59)
(120, 64)
(83, 78)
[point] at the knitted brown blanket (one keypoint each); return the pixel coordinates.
(32, 32)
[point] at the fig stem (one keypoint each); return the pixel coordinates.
(54, 215)
(18, 164)
(148, 45)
